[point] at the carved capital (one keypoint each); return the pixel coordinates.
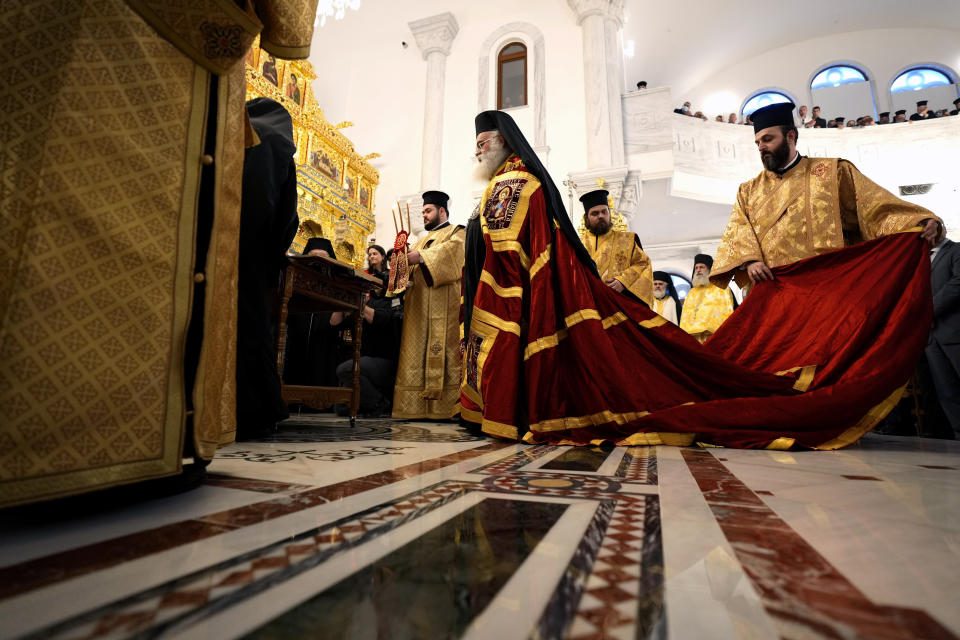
(624, 187)
(435, 33)
(607, 9)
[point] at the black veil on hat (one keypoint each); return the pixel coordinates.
(663, 276)
(502, 122)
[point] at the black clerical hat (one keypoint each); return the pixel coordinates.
(662, 276)
(485, 122)
(436, 198)
(921, 103)
(773, 115)
(593, 199)
(884, 114)
(319, 243)
(957, 101)
(702, 258)
(901, 112)
(840, 119)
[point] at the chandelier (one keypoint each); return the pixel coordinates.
(335, 8)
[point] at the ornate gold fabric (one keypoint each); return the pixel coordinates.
(666, 307)
(704, 310)
(103, 126)
(818, 205)
(618, 255)
(428, 373)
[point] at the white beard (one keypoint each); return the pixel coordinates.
(701, 280)
(490, 160)
(659, 295)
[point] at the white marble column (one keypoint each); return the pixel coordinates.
(434, 36)
(601, 21)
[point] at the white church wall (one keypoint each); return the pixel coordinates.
(367, 77)
(881, 52)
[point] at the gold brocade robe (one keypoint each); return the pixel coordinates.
(818, 205)
(666, 307)
(704, 310)
(428, 373)
(618, 255)
(130, 152)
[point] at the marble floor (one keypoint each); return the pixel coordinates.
(420, 530)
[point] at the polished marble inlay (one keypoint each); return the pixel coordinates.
(423, 530)
(432, 587)
(580, 459)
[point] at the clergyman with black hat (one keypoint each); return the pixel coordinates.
(923, 112)
(956, 107)
(666, 302)
(428, 372)
(706, 306)
(799, 207)
(619, 255)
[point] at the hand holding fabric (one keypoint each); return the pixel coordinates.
(758, 271)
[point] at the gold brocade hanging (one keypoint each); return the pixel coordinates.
(335, 184)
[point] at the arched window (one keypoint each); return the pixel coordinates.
(512, 76)
(919, 78)
(762, 99)
(837, 75)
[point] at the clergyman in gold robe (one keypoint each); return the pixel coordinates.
(799, 207)
(707, 305)
(619, 255)
(118, 265)
(428, 373)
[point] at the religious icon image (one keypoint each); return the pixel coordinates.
(348, 184)
(269, 69)
(365, 197)
(503, 202)
(292, 89)
(321, 162)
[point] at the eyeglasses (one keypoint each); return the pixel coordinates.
(483, 142)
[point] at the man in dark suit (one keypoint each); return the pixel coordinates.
(815, 121)
(943, 348)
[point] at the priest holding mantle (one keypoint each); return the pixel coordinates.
(799, 207)
(619, 255)
(428, 373)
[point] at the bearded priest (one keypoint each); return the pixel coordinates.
(428, 373)
(706, 306)
(619, 255)
(799, 207)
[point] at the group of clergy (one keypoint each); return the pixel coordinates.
(626, 268)
(429, 370)
(432, 348)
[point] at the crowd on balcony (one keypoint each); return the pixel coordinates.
(812, 119)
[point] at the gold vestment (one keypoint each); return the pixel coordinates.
(618, 255)
(818, 205)
(666, 307)
(428, 373)
(704, 310)
(123, 146)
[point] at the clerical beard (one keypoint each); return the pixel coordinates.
(659, 295)
(776, 158)
(491, 159)
(598, 228)
(701, 280)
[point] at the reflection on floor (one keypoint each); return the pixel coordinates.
(416, 530)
